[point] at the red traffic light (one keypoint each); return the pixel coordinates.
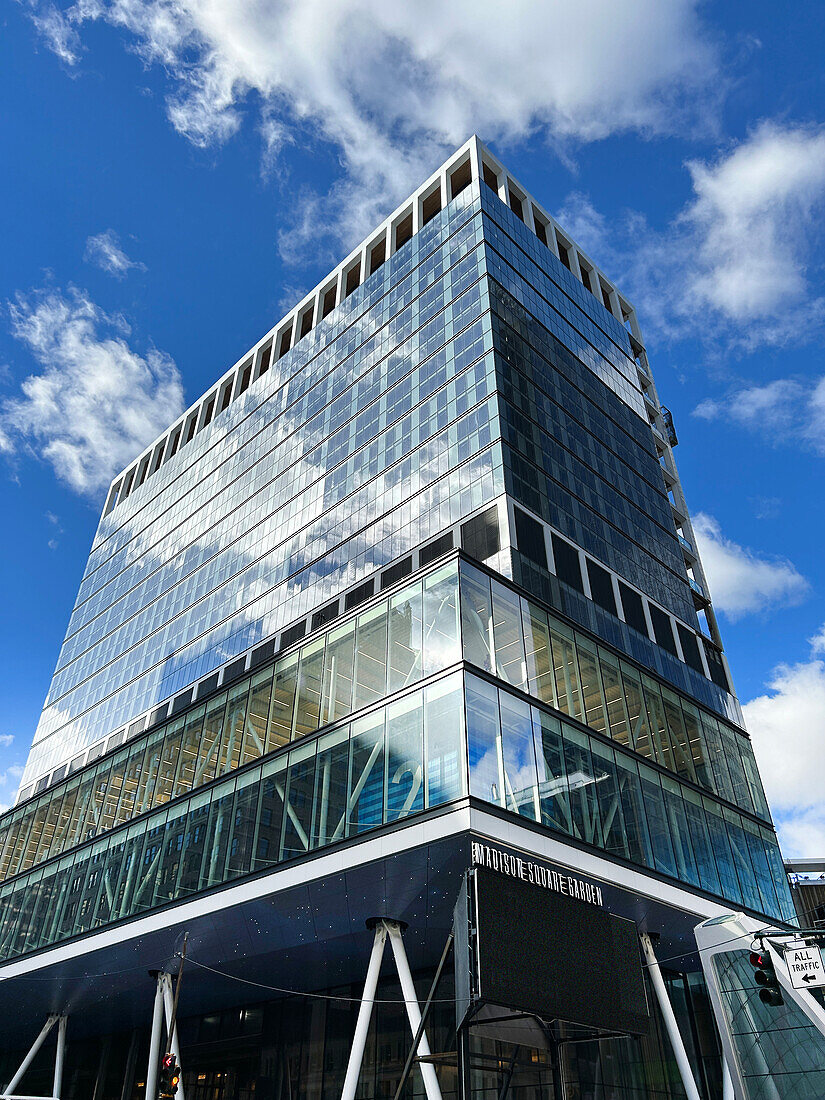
(765, 977)
(169, 1077)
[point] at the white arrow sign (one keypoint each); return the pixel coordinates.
(805, 966)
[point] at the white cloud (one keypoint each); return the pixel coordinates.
(11, 775)
(95, 403)
(742, 582)
(6, 739)
(391, 86)
(786, 410)
(787, 726)
(105, 252)
(57, 29)
(751, 216)
(733, 263)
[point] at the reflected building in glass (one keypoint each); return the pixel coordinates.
(417, 572)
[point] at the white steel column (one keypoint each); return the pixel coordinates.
(27, 1061)
(362, 1026)
(413, 1011)
(669, 1018)
(59, 1057)
(173, 1045)
(727, 1083)
(154, 1042)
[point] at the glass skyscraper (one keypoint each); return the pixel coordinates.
(416, 572)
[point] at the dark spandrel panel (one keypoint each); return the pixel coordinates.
(396, 572)
(157, 715)
(662, 629)
(435, 549)
(633, 608)
(480, 535)
(530, 538)
(715, 666)
(236, 668)
(263, 653)
(360, 594)
(294, 634)
(690, 647)
(568, 564)
(208, 684)
(601, 586)
(180, 702)
(325, 615)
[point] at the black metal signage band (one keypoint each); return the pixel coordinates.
(507, 863)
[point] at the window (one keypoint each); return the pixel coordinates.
(516, 206)
(489, 177)
(246, 376)
(461, 178)
(266, 356)
(353, 279)
(328, 304)
(431, 206)
(286, 341)
(404, 231)
(378, 255)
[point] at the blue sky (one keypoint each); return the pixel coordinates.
(177, 173)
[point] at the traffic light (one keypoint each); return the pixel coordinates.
(765, 976)
(169, 1077)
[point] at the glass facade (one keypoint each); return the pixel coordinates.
(422, 554)
(375, 432)
(562, 732)
(779, 1050)
(468, 364)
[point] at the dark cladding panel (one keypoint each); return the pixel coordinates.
(557, 957)
(479, 535)
(530, 538)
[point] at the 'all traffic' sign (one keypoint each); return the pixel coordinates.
(805, 967)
